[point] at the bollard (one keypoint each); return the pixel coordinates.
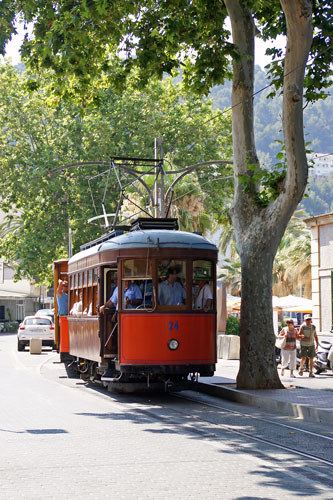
(35, 346)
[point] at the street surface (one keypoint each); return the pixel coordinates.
(61, 438)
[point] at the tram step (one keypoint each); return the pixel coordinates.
(109, 376)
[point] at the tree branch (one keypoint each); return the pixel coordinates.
(298, 15)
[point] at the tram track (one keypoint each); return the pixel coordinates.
(209, 433)
(269, 442)
(279, 424)
(206, 433)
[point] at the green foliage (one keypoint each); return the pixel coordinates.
(292, 264)
(267, 183)
(81, 42)
(9, 327)
(272, 23)
(40, 133)
(231, 275)
(233, 326)
(7, 18)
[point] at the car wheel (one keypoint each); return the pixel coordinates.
(20, 345)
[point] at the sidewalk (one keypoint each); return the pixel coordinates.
(303, 397)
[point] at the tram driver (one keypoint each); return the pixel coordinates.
(132, 297)
(170, 291)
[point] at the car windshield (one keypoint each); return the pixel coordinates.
(37, 321)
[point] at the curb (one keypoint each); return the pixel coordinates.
(303, 412)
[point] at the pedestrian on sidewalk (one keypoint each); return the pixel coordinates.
(308, 337)
(288, 353)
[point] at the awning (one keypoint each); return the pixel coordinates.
(233, 303)
(292, 303)
(10, 295)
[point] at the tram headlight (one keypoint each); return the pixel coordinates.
(173, 344)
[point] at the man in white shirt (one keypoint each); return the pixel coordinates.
(204, 299)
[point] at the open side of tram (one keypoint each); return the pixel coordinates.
(150, 339)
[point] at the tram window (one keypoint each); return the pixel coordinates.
(77, 308)
(136, 268)
(90, 279)
(172, 282)
(95, 275)
(202, 291)
(110, 283)
(76, 280)
(89, 307)
(94, 300)
(137, 287)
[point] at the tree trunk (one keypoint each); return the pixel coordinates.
(259, 229)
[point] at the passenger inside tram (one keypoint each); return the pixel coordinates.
(88, 310)
(171, 291)
(146, 287)
(204, 299)
(77, 306)
(132, 297)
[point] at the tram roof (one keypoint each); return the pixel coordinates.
(149, 239)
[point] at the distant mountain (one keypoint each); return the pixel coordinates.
(318, 123)
(319, 198)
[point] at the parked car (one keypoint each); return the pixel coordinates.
(41, 327)
(46, 312)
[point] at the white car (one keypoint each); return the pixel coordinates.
(45, 312)
(40, 327)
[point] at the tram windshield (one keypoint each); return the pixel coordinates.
(171, 282)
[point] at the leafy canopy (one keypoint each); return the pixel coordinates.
(38, 135)
(81, 40)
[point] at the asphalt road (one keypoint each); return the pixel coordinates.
(63, 439)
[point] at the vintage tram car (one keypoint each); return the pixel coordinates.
(150, 341)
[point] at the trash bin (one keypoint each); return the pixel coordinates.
(35, 346)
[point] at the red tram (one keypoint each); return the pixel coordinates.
(158, 340)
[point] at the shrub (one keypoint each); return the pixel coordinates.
(232, 327)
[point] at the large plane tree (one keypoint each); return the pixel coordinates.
(80, 41)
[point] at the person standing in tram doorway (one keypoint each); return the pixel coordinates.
(62, 298)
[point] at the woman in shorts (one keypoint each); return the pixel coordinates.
(308, 336)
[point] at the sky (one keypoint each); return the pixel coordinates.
(12, 49)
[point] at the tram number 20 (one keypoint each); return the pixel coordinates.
(173, 325)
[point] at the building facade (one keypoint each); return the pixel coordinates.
(21, 298)
(322, 271)
(322, 164)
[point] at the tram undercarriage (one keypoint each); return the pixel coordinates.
(127, 379)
